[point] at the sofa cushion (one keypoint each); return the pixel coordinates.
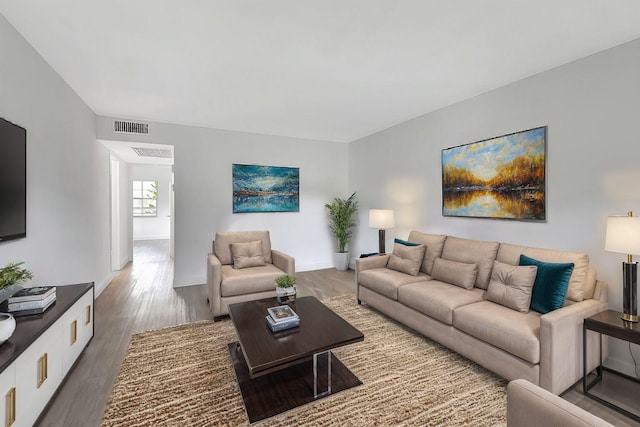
(386, 282)
(511, 285)
(248, 280)
(247, 254)
(456, 273)
(437, 299)
(472, 252)
(550, 287)
(510, 254)
(406, 259)
(434, 244)
(512, 331)
(223, 241)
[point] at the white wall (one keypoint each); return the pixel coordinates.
(158, 227)
(67, 172)
(591, 109)
(203, 204)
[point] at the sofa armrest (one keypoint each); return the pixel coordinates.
(284, 262)
(561, 344)
(214, 278)
(368, 263)
(530, 406)
(601, 291)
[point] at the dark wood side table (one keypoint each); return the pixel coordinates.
(608, 323)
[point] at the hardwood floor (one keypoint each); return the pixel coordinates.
(139, 299)
(142, 298)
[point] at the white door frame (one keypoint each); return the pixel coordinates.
(114, 171)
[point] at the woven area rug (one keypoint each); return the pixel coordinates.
(182, 376)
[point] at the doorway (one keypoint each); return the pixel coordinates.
(142, 202)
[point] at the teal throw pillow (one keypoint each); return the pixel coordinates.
(551, 284)
(404, 242)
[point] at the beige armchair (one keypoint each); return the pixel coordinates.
(243, 267)
(531, 406)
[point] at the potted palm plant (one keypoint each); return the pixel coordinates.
(341, 219)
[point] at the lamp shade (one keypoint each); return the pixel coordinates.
(623, 235)
(381, 219)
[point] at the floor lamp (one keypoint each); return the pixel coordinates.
(381, 219)
(623, 236)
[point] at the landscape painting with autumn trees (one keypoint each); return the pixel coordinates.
(502, 177)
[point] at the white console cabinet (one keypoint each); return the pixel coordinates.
(41, 352)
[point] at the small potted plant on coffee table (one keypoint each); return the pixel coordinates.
(286, 288)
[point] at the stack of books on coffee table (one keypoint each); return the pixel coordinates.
(29, 301)
(282, 317)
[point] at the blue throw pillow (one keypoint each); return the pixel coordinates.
(404, 242)
(551, 284)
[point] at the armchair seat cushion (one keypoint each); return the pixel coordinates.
(248, 280)
(386, 281)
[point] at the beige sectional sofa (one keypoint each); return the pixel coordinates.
(545, 349)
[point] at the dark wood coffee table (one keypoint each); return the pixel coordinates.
(280, 371)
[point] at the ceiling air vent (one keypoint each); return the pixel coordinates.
(153, 152)
(131, 127)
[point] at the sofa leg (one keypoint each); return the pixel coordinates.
(218, 318)
(359, 302)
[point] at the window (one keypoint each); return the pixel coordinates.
(145, 195)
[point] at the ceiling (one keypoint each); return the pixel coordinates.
(334, 70)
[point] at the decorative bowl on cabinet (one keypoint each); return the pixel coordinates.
(7, 326)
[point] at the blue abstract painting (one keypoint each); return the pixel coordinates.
(265, 189)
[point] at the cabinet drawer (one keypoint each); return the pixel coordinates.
(77, 330)
(32, 361)
(39, 370)
(8, 397)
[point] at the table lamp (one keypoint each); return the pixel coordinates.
(623, 236)
(381, 219)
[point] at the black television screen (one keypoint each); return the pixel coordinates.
(13, 181)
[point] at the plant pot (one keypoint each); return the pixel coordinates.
(341, 260)
(7, 326)
(6, 293)
(286, 294)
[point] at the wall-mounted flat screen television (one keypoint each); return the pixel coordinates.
(13, 181)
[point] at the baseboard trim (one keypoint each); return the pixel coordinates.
(188, 281)
(162, 237)
(124, 261)
(626, 367)
(106, 281)
(311, 267)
